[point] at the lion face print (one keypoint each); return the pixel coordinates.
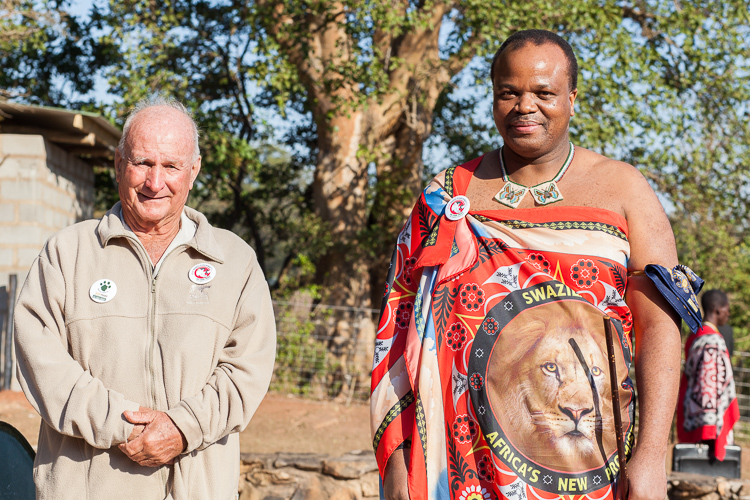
(550, 387)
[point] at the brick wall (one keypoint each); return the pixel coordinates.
(42, 190)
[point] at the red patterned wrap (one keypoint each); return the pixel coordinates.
(707, 406)
(490, 362)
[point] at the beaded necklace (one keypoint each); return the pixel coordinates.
(544, 193)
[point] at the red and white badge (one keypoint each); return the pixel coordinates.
(202, 273)
(457, 208)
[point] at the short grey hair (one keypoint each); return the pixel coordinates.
(159, 100)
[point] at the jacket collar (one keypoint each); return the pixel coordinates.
(110, 226)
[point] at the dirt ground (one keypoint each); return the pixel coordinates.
(281, 424)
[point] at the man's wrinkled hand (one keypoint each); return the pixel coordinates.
(158, 442)
(137, 430)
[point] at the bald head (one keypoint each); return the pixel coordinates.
(166, 110)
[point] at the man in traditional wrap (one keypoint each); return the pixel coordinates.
(145, 339)
(490, 375)
(707, 408)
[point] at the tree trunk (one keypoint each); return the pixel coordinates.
(340, 194)
(387, 130)
(400, 182)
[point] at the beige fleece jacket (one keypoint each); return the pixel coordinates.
(203, 353)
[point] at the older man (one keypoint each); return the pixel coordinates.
(491, 377)
(145, 339)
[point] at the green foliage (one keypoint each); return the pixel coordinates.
(208, 55)
(664, 86)
(42, 51)
(105, 190)
(262, 194)
(302, 359)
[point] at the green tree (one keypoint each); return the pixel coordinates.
(42, 51)
(367, 81)
(365, 84)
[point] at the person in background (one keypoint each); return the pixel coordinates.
(707, 407)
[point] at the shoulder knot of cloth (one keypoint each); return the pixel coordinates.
(450, 235)
(679, 286)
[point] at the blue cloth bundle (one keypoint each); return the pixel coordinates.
(679, 286)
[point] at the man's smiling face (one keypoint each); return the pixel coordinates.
(533, 101)
(156, 168)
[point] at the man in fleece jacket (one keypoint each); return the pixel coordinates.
(145, 339)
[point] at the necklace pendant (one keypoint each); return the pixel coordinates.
(546, 193)
(511, 194)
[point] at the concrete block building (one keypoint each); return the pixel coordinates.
(47, 160)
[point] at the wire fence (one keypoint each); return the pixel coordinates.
(741, 370)
(324, 351)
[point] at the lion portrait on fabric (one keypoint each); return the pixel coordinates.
(548, 385)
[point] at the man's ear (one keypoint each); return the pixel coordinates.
(118, 168)
(572, 96)
(194, 170)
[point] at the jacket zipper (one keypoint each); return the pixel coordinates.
(151, 343)
(163, 474)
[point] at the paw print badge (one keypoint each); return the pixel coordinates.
(103, 291)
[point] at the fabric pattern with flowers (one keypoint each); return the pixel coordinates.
(456, 336)
(585, 273)
(403, 315)
(539, 261)
(475, 493)
(464, 429)
(472, 297)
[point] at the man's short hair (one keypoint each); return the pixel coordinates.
(157, 100)
(713, 300)
(539, 37)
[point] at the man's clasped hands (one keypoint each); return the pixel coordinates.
(155, 439)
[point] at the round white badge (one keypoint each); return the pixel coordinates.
(103, 291)
(457, 208)
(202, 273)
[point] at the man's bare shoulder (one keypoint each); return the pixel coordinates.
(619, 184)
(596, 180)
(634, 192)
(605, 168)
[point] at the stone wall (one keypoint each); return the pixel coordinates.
(309, 476)
(354, 476)
(684, 486)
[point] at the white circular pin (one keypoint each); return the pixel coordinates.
(103, 291)
(202, 273)
(457, 208)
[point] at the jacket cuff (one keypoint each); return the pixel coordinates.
(184, 419)
(127, 428)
